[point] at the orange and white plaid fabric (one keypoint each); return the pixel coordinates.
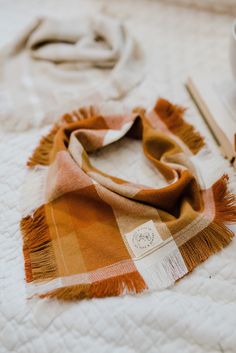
(91, 234)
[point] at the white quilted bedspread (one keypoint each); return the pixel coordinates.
(199, 313)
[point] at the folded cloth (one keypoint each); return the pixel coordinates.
(90, 234)
(57, 64)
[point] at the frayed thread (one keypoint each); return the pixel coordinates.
(41, 154)
(225, 202)
(172, 116)
(132, 283)
(79, 114)
(209, 241)
(216, 235)
(38, 252)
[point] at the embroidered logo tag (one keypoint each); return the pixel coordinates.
(143, 239)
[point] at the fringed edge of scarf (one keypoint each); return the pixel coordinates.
(216, 235)
(41, 154)
(40, 263)
(132, 283)
(172, 116)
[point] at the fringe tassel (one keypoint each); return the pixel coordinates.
(172, 116)
(225, 202)
(41, 154)
(165, 270)
(40, 262)
(208, 242)
(79, 114)
(216, 236)
(115, 286)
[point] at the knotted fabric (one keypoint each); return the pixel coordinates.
(58, 63)
(90, 234)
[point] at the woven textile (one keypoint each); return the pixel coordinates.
(56, 64)
(90, 234)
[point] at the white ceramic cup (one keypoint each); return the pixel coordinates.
(233, 49)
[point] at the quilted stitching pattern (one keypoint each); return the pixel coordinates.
(199, 313)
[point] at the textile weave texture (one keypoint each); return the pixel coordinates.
(90, 234)
(55, 65)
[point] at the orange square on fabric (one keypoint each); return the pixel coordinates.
(88, 223)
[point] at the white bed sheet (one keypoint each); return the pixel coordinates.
(199, 313)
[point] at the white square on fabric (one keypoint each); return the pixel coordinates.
(143, 239)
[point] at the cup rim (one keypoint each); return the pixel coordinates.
(234, 29)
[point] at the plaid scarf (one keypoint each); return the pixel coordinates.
(90, 234)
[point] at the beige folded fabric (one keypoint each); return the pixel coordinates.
(56, 65)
